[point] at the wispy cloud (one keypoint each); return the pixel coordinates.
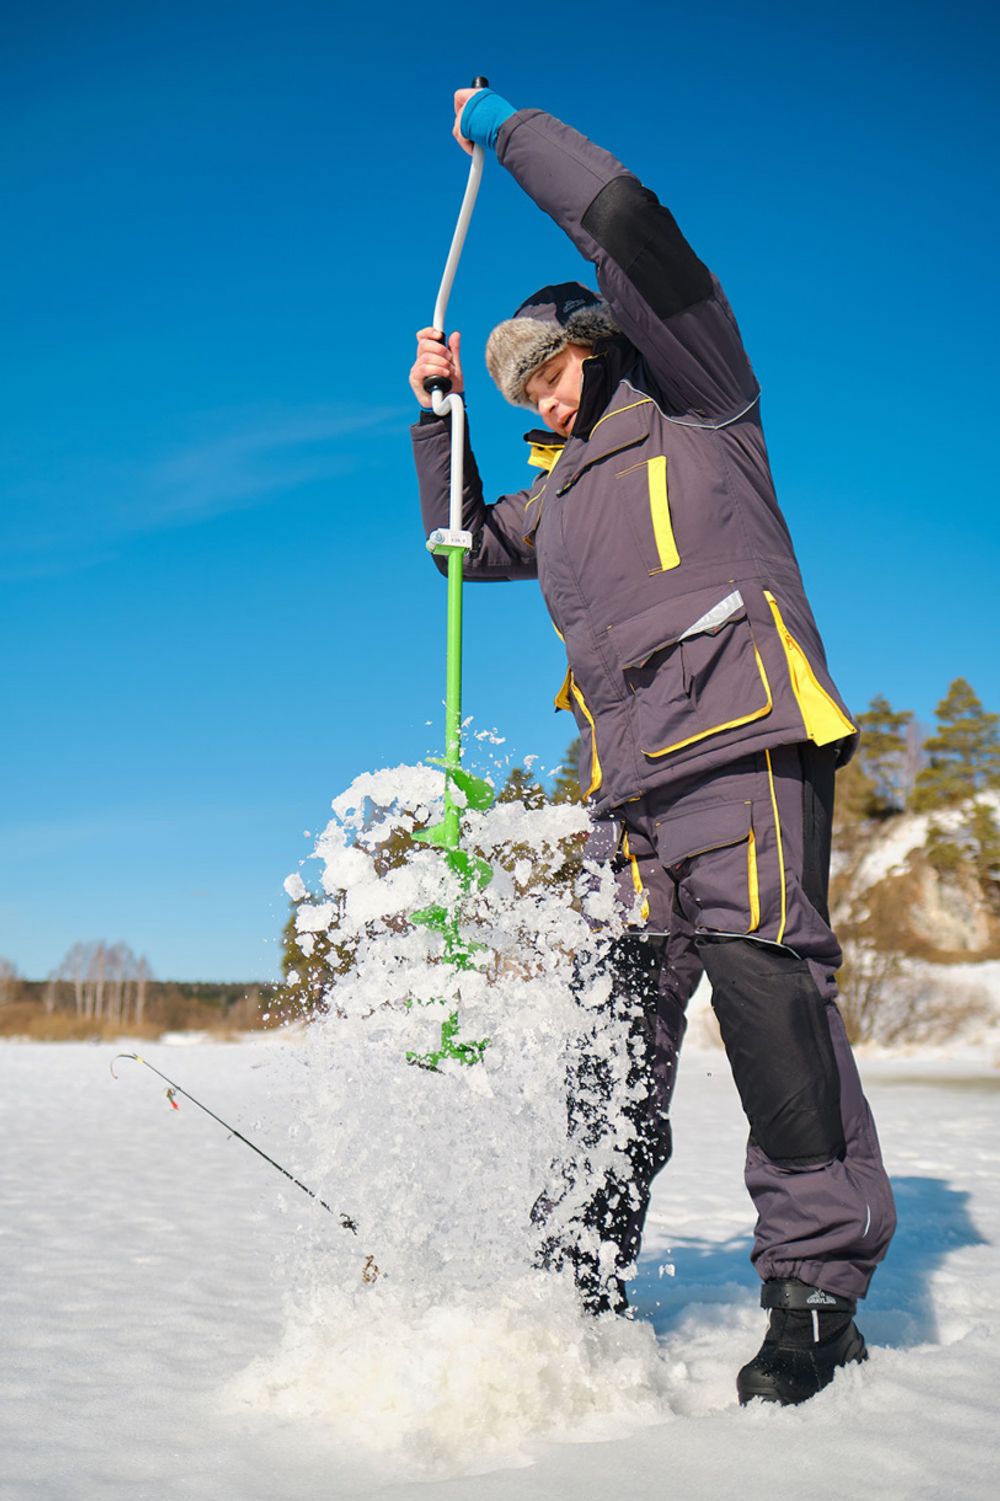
(245, 467)
(78, 515)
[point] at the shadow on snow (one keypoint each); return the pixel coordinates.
(934, 1221)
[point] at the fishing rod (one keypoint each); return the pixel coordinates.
(370, 1271)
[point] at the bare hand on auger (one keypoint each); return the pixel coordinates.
(436, 359)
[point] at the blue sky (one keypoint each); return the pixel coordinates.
(225, 222)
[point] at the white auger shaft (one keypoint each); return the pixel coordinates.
(445, 402)
(458, 238)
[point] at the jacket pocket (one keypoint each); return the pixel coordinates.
(693, 668)
(712, 853)
(659, 511)
(822, 716)
(600, 455)
(570, 697)
(645, 499)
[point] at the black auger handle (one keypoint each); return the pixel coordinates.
(437, 382)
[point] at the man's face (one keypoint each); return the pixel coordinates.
(554, 387)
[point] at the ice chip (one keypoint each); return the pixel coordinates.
(314, 917)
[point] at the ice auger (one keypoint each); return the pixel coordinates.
(453, 543)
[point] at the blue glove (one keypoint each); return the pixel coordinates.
(483, 116)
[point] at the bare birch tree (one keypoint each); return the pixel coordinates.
(10, 981)
(143, 974)
(107, 982)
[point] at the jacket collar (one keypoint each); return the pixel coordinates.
(600, 377)
(602, 371)
(545, 448)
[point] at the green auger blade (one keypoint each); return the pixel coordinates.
(466, 1053)
(470, 869)
(415, 1000)
(439, 834)
(458, 951)
(424, 1060)
(461, 952)
(478, 793)
(437, 918)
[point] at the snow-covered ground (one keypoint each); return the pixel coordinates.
(166, 1334)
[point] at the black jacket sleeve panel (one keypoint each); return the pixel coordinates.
(631, 226)
(501, 550)
(660, 294)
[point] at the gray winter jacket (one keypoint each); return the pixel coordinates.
(653, 530)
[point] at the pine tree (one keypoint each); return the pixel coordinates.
(883, 754)
(856, 798)
(521, 788)
(307, 975)
(984, 834)
(872, 784)
(964, 754)
(566, 784)
(945, 853)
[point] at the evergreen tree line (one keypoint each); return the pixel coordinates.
(897, 770)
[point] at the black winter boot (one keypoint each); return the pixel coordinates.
(811, 1334)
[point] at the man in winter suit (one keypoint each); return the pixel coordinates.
(711, 727)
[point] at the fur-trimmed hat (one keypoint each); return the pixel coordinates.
(549, 320)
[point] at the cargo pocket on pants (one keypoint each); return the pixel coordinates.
(712, 855)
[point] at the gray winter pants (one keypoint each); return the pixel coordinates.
(728, 876)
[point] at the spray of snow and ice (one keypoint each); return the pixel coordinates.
(457, 1342)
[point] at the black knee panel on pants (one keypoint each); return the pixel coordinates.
(776, 1035)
